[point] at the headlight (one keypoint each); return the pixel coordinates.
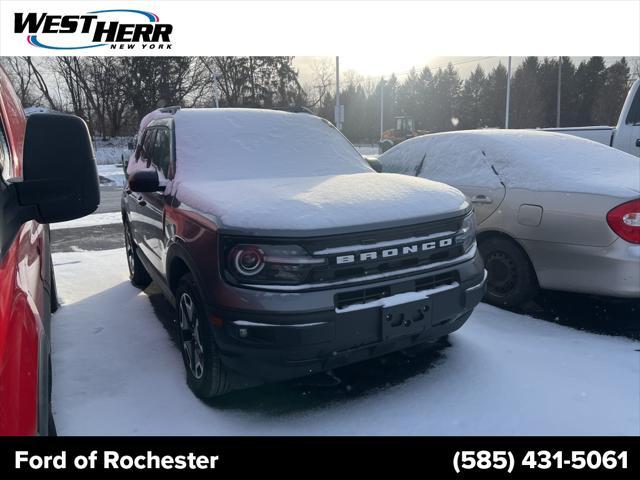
(466, 236)
(261, 263)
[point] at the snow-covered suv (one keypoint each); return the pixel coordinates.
(284, 252)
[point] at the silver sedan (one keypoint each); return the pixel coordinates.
(553, 211)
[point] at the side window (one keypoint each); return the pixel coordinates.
(147, 146)
(634, 111)
(6, 166)
(162, 151)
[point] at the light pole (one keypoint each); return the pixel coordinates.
(559, 89)
(506, 115)
(381, 108)
(338, 109)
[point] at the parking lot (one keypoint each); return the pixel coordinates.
(568, 365)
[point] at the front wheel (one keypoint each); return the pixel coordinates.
(511, 279)
(206, 374)
(137, 273)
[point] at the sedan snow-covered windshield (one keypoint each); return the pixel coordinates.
(230, 144)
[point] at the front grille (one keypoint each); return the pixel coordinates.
(354, 244)
(366, 295)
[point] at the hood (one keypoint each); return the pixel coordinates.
(322, 203)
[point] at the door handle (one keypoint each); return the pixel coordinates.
(637, 142)
(481, 199)
(141, 201)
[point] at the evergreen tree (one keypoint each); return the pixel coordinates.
(589, 80)
(446, 93)
(471, 110)
(612, 95)
(526, 99)
(495, 96)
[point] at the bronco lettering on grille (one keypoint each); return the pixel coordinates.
(412, 249)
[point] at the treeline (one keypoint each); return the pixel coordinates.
(591, 94)
(113, 93)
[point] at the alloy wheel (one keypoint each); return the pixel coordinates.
(190, 335)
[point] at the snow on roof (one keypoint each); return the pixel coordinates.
(531, 159)
(251, 143)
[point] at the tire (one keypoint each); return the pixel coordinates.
(207, 376)
(137, 273)
(511, 279)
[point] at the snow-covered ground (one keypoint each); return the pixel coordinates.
(116, 371)
(113, 174)
(108, 218)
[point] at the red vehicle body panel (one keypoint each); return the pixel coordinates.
(22, 296)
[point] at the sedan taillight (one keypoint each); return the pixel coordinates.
(625, 221)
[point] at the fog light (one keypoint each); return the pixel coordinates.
(243, 332)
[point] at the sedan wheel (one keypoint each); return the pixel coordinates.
(511, 280)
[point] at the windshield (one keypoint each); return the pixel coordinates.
(230, 144)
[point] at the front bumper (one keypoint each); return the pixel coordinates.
(281, 344)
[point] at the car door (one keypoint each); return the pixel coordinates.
(470, 170)
(153, 203)
(137, 212)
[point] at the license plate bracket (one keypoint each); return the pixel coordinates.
(406, 319)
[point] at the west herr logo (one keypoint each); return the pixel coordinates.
(118, 29)
(412, 249)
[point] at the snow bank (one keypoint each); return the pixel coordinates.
(112, 173)
(111, 150)
(528, 159)
(262, 169)
(504, 374)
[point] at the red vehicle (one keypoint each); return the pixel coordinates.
(47, 174)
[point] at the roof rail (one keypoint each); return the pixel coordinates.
(172, 110)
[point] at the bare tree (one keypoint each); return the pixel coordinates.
(322, 81)
(22, 79)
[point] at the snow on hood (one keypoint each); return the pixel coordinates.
(535, 160)
(269, 170)
(321, 202)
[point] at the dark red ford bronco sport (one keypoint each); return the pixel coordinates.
(284, 252)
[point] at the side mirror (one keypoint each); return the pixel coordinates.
(373, 163)
(59, 176)
(144, 181)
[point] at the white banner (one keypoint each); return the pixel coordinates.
(112, 27)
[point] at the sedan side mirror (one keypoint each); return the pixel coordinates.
(59, 176)
(373, 163)
(144, 181)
